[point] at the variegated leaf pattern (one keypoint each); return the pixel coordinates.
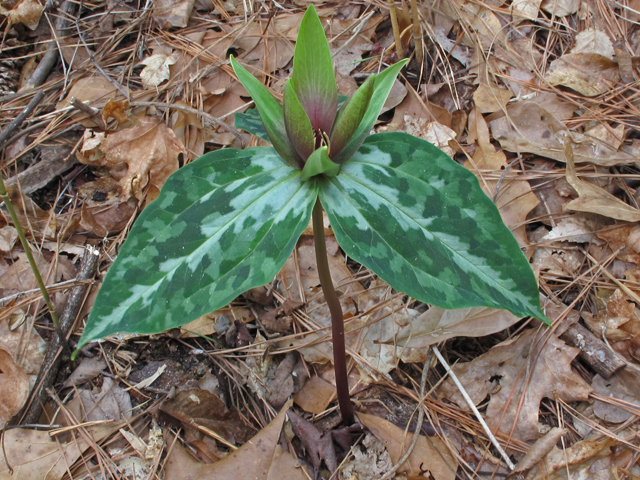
(221, 225)
(420, 221)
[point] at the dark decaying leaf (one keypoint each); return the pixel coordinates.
(319, 445)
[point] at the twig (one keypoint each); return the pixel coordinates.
(50, 57)
(4, 196)
(396, 29)
(204, 115)
(464, 393)
(93, 59)
(416, 433)
(4, 135)
(417, 34)
(52, 359)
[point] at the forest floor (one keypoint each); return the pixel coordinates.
(132, 91)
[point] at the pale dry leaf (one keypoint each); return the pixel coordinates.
(442, 465)
(501, 374)
(110, 403)
(593, 40)
(578, 228)
(529, 128)
(261, 458)
(172, 13)
(525, 9)
(590, 74)
(156, 70)
(561, 8)
(574, 462)
(27, 12)
(557, 260)
(206, 324)
(437, 325)
(19, 276)
(96, 91)
(515, 199)
(27, 348)
(8, 237)
(490, 98)
(315, 396)
(460, 52)
(623, 386)
(594, 199)
(368, 460)
(150, 151)
(14, 388)
(540, 449)
(33, 454)
(87, 369)
(620, 319)
(605, 133)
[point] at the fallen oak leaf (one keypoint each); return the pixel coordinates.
(594, 199)
(429, 455)
(14, 388)
(499, 373)
(261, 458)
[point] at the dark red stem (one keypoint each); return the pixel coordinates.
(337, 320)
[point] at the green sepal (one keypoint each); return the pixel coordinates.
(222, 224)
(419, 220)
(270, 113)
(381, 89)
(350, 115)
(297, 122)
(313, 76)
(319, 163)
(251, 122)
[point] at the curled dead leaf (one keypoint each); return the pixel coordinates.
(14, 388)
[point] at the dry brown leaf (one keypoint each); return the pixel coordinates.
(110, 403)
(561, 8)
(206, 324)
(96, 91)
(437, 325)
(172, 13)
(594, 199)
(156, 69)
(490, 98)
(525, 9)
(35, 455)
(19, 276)
(539, 449)
(87, 369)
(261, 458)
(8, 237)
(141, 157)
(515, 198)
(14, 388)
(620, 319)
(201, 407)
(26, 348)
(623, 386)
(27, 12)
(575, 462)
(502, 374)
(441, 464)
(593, 40)
(315, 396)
(590, 74)
(529, 128)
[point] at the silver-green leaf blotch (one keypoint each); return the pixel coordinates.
(221, 225)
(420, 221)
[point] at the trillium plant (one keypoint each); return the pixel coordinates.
(228, 221)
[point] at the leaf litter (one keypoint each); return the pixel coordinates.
(500, 91)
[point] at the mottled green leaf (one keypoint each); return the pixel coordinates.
(409, 213)
(251, 122)
(319, 163)
(312, 75)
(270, 113)
(221, 225)
(381, 89)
